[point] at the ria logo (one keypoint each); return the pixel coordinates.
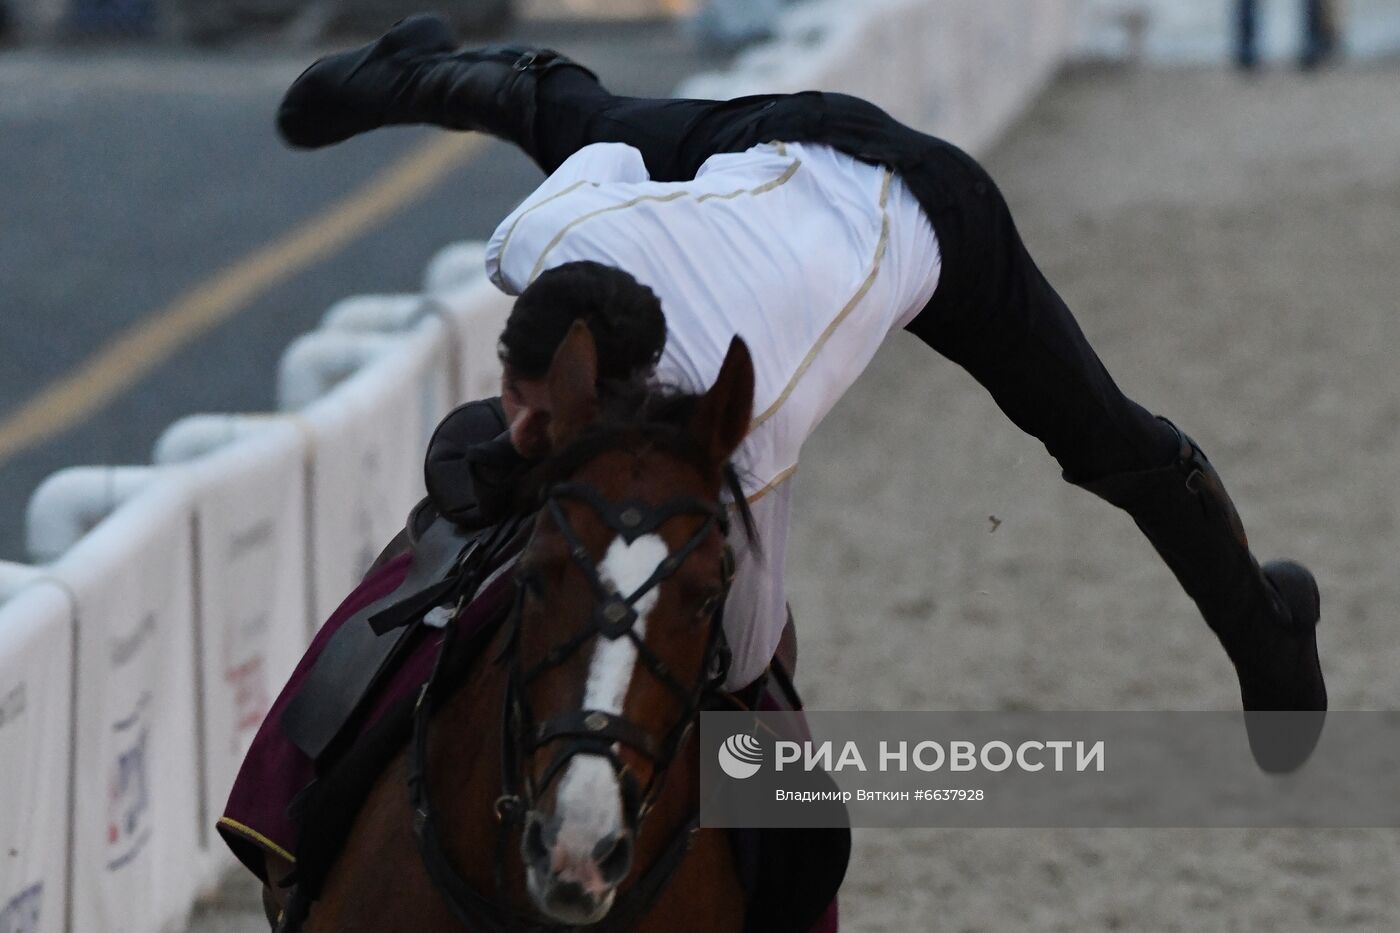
(741, 756)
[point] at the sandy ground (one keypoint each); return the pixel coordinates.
(1230, 248)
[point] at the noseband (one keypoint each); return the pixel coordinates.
(581, 732)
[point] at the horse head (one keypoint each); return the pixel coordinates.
(618, 638)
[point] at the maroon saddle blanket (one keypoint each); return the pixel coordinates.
(257, 819)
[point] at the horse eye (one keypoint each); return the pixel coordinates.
(532, 584)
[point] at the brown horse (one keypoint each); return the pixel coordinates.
(555, 781)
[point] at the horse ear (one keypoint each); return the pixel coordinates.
(723, 413)
(573, 390)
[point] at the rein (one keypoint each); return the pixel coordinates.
(580, 732)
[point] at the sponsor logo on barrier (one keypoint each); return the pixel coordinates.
(127, 647)
(249, 538)
(366, 533)
(22, 913)
(12, 704)
(251, 700)
(128, 787)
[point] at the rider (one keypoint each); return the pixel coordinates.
(813, 225)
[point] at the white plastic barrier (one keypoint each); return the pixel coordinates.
(249, 513)
(14, 577)
(479, 311)
(70, 503)
(366, 463)
(957, 68)
(194, 436)
(36, 733)
(315, 363)
(454, 265)
(137, 861)
(373, 313)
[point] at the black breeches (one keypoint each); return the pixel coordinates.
(993, 313)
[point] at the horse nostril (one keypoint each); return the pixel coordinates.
(569, 896)
(537, 841)
(614, 857)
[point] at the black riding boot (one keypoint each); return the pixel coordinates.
(413, 75)
(1264, 617)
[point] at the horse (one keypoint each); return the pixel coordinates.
(552, 782)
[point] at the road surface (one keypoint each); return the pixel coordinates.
(147, 186)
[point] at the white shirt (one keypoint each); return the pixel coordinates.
(808, 254)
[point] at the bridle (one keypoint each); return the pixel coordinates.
(614, 616)
(582, 732)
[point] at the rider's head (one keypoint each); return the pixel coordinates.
(623, 315)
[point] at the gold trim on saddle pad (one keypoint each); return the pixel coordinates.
(254, 836)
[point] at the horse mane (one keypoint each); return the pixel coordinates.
(634, 413)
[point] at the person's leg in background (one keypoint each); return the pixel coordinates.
(1319, 34)
(1246, 34)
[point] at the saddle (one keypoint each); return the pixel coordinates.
(456, 536)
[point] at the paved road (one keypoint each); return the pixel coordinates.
(133, 176)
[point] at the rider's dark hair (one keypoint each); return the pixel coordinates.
(623, 314)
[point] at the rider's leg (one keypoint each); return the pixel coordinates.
(996, 315)
(541, 101)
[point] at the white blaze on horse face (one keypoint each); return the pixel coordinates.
(590, 798)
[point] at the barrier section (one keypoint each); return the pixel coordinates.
(315, 363)
(249, 535)
(36, 732)
(368, 436)
(478, 310)
(137, 861)
(454, 265)
(957, 69)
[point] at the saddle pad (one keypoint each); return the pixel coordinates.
(258, 817)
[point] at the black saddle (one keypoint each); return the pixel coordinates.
(456, 536)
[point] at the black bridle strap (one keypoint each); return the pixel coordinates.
(595, 726)
(616, 614)
(633, 518)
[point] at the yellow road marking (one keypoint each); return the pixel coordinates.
(147, 343)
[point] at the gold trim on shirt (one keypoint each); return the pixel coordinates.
(660, 198)
(845, 312)
(772, 484)
(505, 241)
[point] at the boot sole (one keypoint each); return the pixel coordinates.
(1282, 741)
